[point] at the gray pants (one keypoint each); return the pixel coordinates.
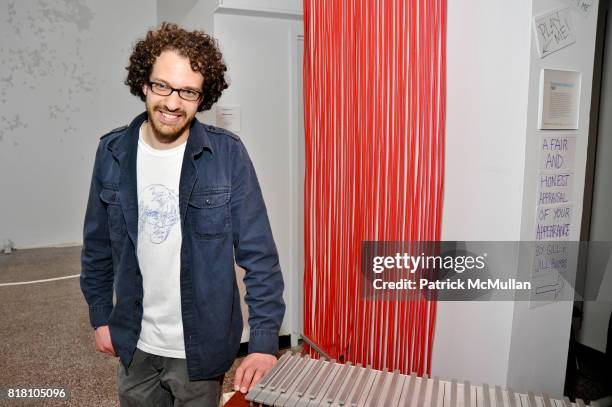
(153, 380)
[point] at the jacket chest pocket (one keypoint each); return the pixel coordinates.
(113, 209)
(210, 213)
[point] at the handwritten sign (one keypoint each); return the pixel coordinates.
(547, 288)
(557, 153)
(555, 188)
(583, 6)
(550, 257)
(554, 30)
(553, 272)
(553, 222)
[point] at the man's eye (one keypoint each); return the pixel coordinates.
(161, 85)
(188, 92)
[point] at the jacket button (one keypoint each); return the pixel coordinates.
(208, 202)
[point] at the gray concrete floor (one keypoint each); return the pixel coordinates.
(45, 337)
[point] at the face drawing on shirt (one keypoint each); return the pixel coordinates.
(159, 211)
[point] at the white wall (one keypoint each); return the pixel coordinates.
(278, 6)
(490, 186)
(487, 82)
(540, 335)
(61, 88)
(260, 51)
(190, 14)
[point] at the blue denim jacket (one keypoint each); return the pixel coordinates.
(223, 217)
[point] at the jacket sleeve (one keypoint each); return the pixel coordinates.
(256, 253)
(96, 256)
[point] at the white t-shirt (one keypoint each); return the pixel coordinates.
(159, 249)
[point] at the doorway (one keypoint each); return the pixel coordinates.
(589, 375)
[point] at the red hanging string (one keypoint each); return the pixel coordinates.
(374, 109)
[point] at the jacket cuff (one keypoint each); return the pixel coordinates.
(263, 341)
(98, 316)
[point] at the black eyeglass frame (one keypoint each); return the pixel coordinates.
(171, 89)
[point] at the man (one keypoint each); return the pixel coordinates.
(172, 204)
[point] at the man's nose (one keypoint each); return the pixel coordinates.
(172, 102)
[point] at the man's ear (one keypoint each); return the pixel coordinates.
(145, 88)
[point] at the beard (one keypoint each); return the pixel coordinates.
(164, 132)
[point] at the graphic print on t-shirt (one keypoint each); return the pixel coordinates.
(159, 212)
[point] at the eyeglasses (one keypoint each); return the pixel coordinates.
(163, 89)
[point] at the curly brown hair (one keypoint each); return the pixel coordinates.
(201, 49)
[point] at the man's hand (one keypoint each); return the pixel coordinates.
(251, 370)
(103, 341)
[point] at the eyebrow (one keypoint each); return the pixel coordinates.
(167, 83)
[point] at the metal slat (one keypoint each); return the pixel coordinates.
(297, 397)
(499, 399)
(435, 391)
(269, 394)
(467, 394)
(422, 387)
(460, 394)
(479, 397)
(506, 398)
(360, 386)
(351, 385)
(326, 386)
(295, 372)
(366, 391)
(486, 395)
(392, 388)
(287, 398)
(277, 393)
(378, 388)
(343, 374)
(409, 384)
(306, 383)
(428, 392)
(531, 399)
(473, 396)
(314, 390)
(283, 372)
(356, 373)
(401, 383)
(512, 398)
(275, 369)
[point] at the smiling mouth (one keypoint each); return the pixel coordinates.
(168, 118)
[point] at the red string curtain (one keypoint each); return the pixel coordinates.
(374, 88)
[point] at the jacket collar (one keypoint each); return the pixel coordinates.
(197, 141)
